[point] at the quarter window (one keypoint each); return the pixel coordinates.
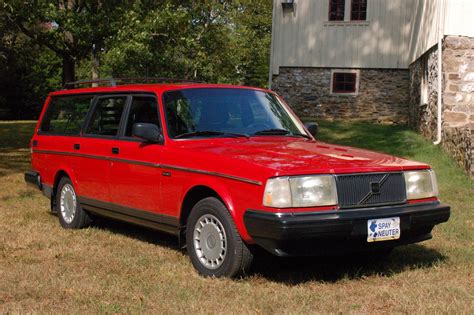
(106, 118)
(359, 10)
(66, 115)
(336, 10)
(142, 110)
(344, 82)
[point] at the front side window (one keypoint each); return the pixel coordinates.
(105, 120)
(359, 10)
(142, 110)
(66, 115)
(344, 82)
(336, 10)
(221, 112)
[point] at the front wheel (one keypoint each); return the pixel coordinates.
(213, 242)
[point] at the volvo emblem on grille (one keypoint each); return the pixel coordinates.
(375, 188)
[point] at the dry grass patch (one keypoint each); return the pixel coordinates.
(118, 268)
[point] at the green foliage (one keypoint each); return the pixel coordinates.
(27, 73)
(219, 41)
(213, 41)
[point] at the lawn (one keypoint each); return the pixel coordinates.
(118, 268)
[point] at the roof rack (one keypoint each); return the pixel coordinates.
(118, 81)
(155, 80)
(73, 84)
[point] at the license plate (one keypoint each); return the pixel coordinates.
(383, 229)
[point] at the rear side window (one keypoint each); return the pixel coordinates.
(66, 115)
(105, 120)
(143, 110)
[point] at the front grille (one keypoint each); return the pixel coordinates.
(361, 190)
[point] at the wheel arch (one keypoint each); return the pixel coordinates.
(197, 193)
(60, 173)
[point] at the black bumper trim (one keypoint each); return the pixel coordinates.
(33, 179)
(340, 230)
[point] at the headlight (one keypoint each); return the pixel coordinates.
(307, 191)
(421, 184)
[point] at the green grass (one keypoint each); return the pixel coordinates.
(117, 268)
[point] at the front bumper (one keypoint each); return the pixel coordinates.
(339, 231)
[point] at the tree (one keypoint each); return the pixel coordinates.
(27, 73)
(209, 40)
(73, 29)
(45, 42)
(253, 32)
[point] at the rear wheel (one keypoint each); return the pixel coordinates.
(70, 213)
(213, 242)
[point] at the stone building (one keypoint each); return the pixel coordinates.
(378, 60)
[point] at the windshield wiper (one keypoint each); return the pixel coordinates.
(280, 132)
(210, 133)
(272, 132)
(302, 135)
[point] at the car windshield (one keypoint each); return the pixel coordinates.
(225, 112)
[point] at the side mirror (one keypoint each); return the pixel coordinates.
(312, 128)
(147, 132)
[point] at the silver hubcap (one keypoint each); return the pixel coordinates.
(68, 203)
(210, 242)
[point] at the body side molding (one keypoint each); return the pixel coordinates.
(156, 165)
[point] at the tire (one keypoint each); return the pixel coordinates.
(213, 242)
(70, 213)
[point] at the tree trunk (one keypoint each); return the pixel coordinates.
(69, 69)
(95, 64)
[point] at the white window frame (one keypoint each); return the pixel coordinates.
(357, 73)
(347, 15)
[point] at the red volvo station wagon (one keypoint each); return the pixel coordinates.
(226, 169)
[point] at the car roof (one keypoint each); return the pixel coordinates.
(146, 88)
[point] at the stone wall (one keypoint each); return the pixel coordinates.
(424, 94)
(383, 94)
(458, 69)
(458, 142)
(457, 98)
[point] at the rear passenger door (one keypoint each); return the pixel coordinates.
(135, 175)
(96, 147)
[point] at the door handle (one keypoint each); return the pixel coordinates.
(77, 146)
(115, 150)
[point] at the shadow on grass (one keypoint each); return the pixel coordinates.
(296, 270)
(16, 135)
(14, 143)
(140, 233)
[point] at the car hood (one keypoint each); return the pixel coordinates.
(291, 156)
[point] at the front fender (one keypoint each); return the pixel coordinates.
(216, 185)
(228, 191)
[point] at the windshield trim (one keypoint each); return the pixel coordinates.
(299, 125)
